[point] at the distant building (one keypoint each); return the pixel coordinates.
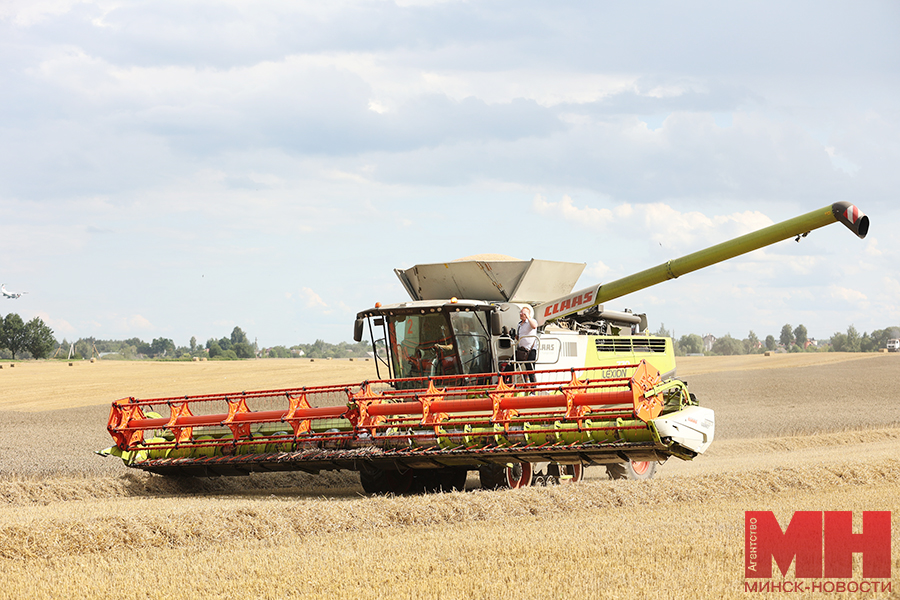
(708, 341)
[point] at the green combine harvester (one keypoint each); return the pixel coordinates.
(450, 394)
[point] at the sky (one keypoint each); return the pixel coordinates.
(178, 168)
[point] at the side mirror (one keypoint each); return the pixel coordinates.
(358, 329)
(495, 323)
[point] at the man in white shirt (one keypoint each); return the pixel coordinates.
(526, 350)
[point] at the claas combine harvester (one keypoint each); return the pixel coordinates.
(450, 396)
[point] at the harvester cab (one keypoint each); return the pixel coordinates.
(443, 332)
(450, 395)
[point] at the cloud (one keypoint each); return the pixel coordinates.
(848, 295)
(313, 300)
(658, 222)
(139, 322)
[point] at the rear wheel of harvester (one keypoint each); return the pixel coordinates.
(557, 473)
(519, 475)
(637, 470)
(571, 473)
(385, 481)
(448, 479)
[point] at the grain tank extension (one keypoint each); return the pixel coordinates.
(450, 395)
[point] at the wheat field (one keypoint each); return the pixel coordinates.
(794, 432)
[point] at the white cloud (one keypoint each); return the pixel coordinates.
(848, 295)
(598, 270)
(657, 221)
(139, 322)
(313, 300)
(566, 209)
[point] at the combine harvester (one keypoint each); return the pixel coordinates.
(454, 397)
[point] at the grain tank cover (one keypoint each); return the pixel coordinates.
(490, 278)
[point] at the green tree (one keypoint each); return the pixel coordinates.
(867, 343)
(853, 340)
(691, 344)
(278, 352)
(787, 337)
(243, 350)
(800, 335)
(752, 343)
(839, 342)
(770, 342)
(238, 337)
(193, 344)
(39, 339)
(727, 346)
(163, 347)
(214, 348)
(662, 331)
(12, 334)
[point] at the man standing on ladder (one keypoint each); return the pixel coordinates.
(526, 350)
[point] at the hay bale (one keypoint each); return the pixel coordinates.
(71, 364)
(93, 359)
(196, 359)
(768, 353)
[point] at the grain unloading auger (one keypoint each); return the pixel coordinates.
(455, 398)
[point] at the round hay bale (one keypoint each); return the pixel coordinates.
(768, 353)
(93, 359)
(71, 364)
(196, 359)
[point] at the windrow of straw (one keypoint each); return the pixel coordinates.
(135, 526)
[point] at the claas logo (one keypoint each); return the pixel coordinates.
(821, 544)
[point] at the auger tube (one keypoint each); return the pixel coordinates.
(842, 212)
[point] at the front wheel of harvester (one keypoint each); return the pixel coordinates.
(492, 476)
(637, 470)
(571, 473)
(384, 481)
(448, 479)
(519, 475)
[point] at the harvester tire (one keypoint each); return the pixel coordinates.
(383, 481)
(519, 475)
(448, 479)
(492, 476)
(635, 470)
(566, 473)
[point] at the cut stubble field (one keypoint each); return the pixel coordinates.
(794, 432)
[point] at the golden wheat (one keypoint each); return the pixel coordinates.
(802, 435)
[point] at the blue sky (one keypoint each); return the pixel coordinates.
(174, 169)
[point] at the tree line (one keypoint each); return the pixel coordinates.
(791, 339)
(235, 346)
(34, 339)
(18, 338)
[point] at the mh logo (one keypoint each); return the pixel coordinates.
(822, 543)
